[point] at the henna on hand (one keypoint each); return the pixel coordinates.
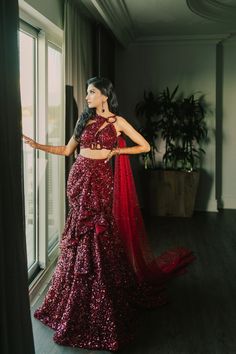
(30, 142)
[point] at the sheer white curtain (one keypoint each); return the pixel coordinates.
(78, 53)
(15, 323)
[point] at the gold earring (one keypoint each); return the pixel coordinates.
(103, 110)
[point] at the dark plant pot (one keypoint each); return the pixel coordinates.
(170, 193)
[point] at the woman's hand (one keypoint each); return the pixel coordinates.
(113, 152)
(64, 150)
(30, 141)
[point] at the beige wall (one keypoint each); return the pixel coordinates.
(192, 65)
(229, 125)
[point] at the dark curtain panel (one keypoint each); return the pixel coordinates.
(71, 112)
(104, 56)
(71, 118)
(15, 323)
(78, 65)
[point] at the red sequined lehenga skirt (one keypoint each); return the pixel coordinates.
(94, 294)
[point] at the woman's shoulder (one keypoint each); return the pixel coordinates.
(120, 120)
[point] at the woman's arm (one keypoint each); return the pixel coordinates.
(141, 146)
(65, 150)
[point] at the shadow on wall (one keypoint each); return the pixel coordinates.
(204, 190)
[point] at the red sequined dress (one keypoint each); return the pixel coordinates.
(106, 270)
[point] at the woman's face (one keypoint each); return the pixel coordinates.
(94, 97)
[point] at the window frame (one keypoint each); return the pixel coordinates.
(47, 34)
(53, 249)
(32, 32)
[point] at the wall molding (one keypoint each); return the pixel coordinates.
(213, 10)
(185, 39)
(229, 202)
(231, 39)
(116, 16)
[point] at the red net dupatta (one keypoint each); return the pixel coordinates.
(147, 266)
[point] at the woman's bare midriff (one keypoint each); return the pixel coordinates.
(94, 154)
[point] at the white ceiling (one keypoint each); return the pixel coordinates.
(140, 20)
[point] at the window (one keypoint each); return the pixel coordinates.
(28, 45)
(54, 138)
(41, 83)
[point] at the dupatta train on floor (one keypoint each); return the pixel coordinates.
(149, 268)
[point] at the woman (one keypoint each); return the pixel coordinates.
(105, 269)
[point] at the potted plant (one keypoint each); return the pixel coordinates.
(183, 127)
(149, 109)
(181, 124)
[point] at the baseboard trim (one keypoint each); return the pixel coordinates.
(40, 282)
(229, 202)
(211, 206)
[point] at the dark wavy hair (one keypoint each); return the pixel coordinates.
(106, 87)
